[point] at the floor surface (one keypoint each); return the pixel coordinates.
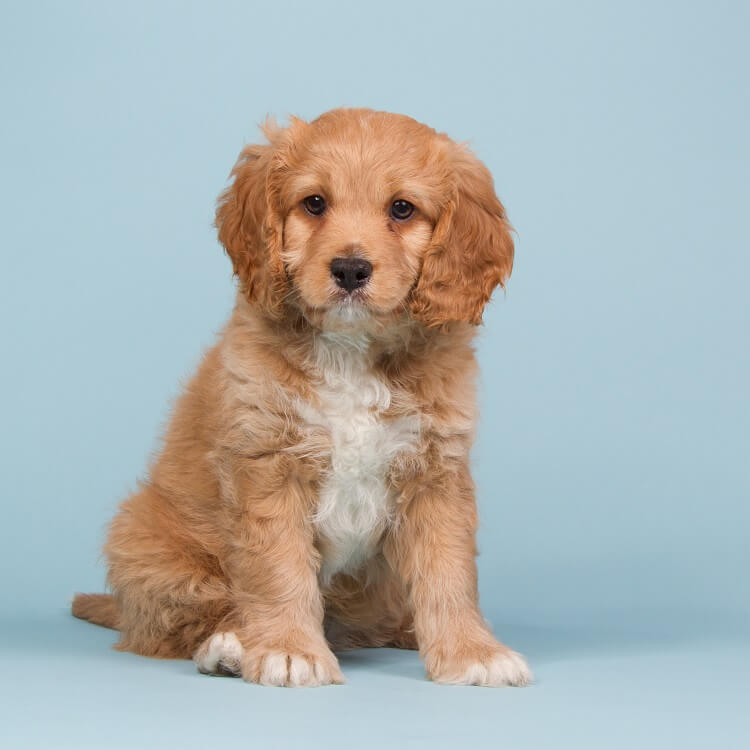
(64, 687)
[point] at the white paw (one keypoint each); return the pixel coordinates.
(502, 669)
(281, 669)
(220, 654)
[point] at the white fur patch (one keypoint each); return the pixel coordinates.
(274, 669)
(356, 503)
(504, 669)
(280, 669)
(219, 654)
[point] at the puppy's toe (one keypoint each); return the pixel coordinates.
(508, 668)
(220, 654)
(284, 669)
(502, 668)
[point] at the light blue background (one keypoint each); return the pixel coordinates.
(613, 454)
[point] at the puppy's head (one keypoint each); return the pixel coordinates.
(363, 214)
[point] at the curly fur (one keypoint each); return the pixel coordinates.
(313, 489)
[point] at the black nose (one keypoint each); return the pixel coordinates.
(351, 273)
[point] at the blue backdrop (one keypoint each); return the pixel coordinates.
(612, 459)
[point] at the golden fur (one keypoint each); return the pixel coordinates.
(219, 555)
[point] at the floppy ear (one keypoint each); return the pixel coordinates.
(471, 250)
(250, 227)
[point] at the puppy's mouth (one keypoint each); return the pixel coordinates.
(355, 298)
(348, 307)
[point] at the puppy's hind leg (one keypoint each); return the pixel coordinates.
(169, 590)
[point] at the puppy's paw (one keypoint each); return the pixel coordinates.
(292, 668)
(498, 667)
(220, 654)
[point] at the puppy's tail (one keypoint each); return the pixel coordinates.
(101, 609)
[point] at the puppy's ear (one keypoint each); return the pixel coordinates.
(471, 250)
(250, 226)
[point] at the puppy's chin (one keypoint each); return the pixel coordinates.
(353, 315)
(347, 314)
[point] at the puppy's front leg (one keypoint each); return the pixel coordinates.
(272, 564)
(433, 549)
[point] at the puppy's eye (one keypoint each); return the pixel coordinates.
(314, 204)
(401, 210)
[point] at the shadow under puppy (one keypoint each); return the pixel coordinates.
(313, 490)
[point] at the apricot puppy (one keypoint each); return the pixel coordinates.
(313, 490)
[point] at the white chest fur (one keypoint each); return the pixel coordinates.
(356, 502)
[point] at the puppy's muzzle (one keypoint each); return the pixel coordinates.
(351, 273)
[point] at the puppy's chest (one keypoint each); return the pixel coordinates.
(356, 501)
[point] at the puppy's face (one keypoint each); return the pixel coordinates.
(365, 214)
(360, 200)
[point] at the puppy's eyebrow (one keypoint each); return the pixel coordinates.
(305, 185)
(418, 194)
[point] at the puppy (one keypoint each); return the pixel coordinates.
(313, 489)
